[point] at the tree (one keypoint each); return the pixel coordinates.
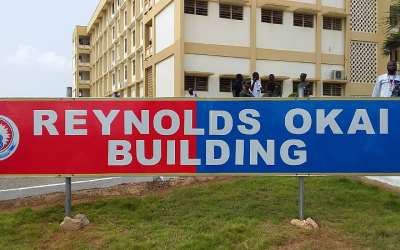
(392, 41)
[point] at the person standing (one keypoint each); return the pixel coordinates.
(302, 85)
(387, 85)
(246, 92)
(269, 86)
(237, 85)
(191, 93)
(256, 87)
(275, 86)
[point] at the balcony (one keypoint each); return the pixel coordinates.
(84, 82)
(84, 42)
(84, 60)
(84, 92)
(84, 77)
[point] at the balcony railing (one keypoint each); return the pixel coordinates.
(84, 81)
(83, 46)
(84, 63)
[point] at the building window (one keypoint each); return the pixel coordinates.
(126, 18)
(133, 68)
(309, 90)
(332, 23)
(231, 11)
(126, 45)
(198, 83)
(84, 40)
(125, 72)
(118, 26)
(303, 20)
(333, 89)
(113, 8)
(113, 33)
(149, 81)
(272, 16)
(225, 84)
(133, 39)
(196, 7)
(119, 77)
(141, 29)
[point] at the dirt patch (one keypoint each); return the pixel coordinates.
(90, 195)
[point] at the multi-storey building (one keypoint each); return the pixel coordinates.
(160, 48)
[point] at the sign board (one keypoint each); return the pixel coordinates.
(194, 136)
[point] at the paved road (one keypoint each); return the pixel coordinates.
(17, 187)
(12, 188)
(391, 180)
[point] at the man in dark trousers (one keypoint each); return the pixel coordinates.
(237, 85)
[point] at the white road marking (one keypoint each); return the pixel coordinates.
(58, 184)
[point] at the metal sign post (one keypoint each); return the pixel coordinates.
(301, 197)
(68, 182)
(68, 197)
(300, 91)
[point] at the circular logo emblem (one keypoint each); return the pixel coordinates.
(9, 137)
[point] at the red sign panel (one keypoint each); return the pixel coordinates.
(75, 137)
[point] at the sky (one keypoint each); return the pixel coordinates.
(36, 45)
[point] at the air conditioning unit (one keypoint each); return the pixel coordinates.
(338, 75)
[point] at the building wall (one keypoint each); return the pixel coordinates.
(165, 82)
(212, 29)
(288, 69)
(333, 3)
(218, 66)
(80, 87)
(165, 28)
(291, 70)
(326, 70)
(333, 42)
(224, 46)
(284, 36)
(306, 1)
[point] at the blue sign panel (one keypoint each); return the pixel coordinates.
(298, 136)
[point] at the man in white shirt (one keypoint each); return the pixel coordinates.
(301, 87)
(385, 84)
(256, 87)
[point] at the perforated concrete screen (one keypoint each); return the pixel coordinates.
(364, 16)
(363, 57)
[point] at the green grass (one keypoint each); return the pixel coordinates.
(241, 213)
